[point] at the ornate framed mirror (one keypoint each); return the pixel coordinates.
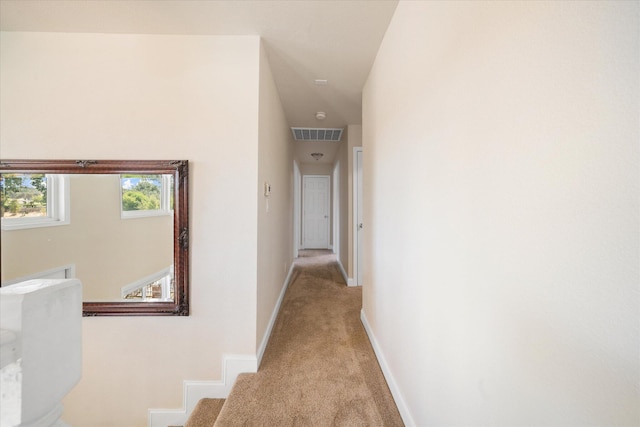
(120, 226)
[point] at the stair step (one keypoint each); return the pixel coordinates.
(205, 413)
(239, 400)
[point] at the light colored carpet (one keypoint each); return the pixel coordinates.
(205, 413)
(319, 368)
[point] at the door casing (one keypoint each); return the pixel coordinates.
(357, 216)
(322, 214)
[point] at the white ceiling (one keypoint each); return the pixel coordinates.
(336, 40)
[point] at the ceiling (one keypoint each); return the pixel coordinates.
(334, 40)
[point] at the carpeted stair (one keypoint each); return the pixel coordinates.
(205, 413)
(319, 368)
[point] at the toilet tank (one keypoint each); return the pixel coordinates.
(46, 317)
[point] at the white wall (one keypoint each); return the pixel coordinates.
(501, 202)
(275, 216)
(96, 96)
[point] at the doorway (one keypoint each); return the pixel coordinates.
(315, 211)
(336, 210)
(357, 215)
(297, 197)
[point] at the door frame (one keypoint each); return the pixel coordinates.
(357, 208)
(328, 204)
(335, 220)
(297, 209)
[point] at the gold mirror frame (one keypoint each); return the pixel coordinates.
(180, 171)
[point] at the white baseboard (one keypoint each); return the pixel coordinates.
(407, 418)
(193, 391)
(274, 315)
(349, 281)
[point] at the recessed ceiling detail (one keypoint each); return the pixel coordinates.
(316, 134)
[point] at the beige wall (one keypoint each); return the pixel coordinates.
(341, 162)
(316, 169)
(95, 96)
(352, 137)
(501, 203)
(275, 166)
(108, 252)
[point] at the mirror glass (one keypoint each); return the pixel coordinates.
(118, 226)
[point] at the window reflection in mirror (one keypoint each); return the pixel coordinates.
(23, 195)
(146, 195)
(29, 200)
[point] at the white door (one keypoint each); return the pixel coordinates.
(336, 210)
(297, 204)
(357, 215)
(315, 211)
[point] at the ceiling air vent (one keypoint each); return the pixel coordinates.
(316, 134)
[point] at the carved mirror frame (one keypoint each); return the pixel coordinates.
(180, 171)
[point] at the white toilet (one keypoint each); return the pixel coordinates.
(41, 349)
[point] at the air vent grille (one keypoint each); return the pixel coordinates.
(316, 134)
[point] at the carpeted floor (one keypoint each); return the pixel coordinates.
(319, 368)
(205, 413)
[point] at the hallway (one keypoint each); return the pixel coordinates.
(319, 368)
